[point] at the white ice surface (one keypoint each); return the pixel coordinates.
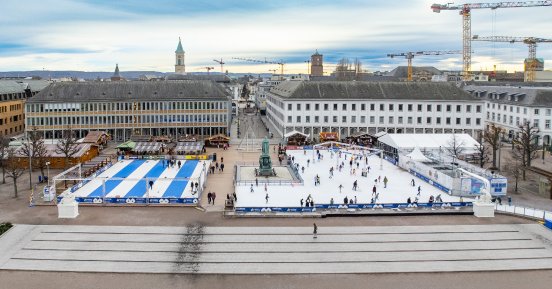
(398, 189)
(97, 181)
(161, 185)
(129, 182)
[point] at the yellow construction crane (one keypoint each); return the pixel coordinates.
(410, 55)
(465, 11)
(281, 63)
(208, 68)
(221, 64)
(531, 43)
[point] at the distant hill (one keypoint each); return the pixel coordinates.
(91, 75)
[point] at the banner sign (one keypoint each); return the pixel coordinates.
(142, 201)
(498, 186)
(351, 206)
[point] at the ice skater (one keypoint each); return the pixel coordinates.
(385, 180)
(303, 170)
(266, 188)
(266, 198)
(179, 164)
(355, 184)
(301, 202)
(340, 187)
(374, 190)
(413, 183)
(419, 190)
(252, 188)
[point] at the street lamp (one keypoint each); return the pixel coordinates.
(30, 163)
(48, 172)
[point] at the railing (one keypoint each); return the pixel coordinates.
(525, 212)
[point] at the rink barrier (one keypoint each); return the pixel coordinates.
(89, 178)
(430, 181)
(352, 206)
(533, 213)
(130, 201)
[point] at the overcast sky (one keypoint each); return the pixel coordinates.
(93, 35)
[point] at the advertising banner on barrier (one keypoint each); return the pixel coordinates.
(351, 206)
(498, 186)
(196, 157)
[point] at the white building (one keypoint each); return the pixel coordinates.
(509, 106)
(312, 107)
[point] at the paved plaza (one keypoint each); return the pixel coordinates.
(276, 250)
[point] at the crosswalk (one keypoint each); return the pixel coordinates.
(276, 250)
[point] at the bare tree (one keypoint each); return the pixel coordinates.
(14, 169)
(482, 151)
(455, 146)
(526, 144)
(67, 145)
(36, 150)
(4, 143)
(515, 168)
(492, 136)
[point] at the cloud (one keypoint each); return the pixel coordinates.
(94, 35)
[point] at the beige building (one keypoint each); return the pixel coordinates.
(13, 94)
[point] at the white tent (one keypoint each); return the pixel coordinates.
(417, 155)
(429, 141)
(294, 133)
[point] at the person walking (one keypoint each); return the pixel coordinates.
(222, 167)
(385, 180)
(209, 196)
(345, 200)
(179, 164)
(301, 202)
(315, 231)
(213, 197)
(256, 182)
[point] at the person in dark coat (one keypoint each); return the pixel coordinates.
(315, 231)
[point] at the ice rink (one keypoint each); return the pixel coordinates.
(399, 187)
(130, 179)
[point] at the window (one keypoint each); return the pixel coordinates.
(289, 118)
(372, 119)
(298, 106)
(307, 119)
(326, 106)
(428, 120)
(536, 123)
(511, 119)
(410, 107)
(353, 119)
(382, 107)
(517, 120)
(536, 111)
(547, 124)
(524, 110)
(468, 108)
(458, 108)
(428, 107)
(353, 106)
(419, 120)
(335, 106)
(363, 107)
(307, 106)
(289, 106)
(478, 108)
(316, 106)
(381, 120)
(372, 107)
(447, 120)
(438, 107)
(400, 119)
(334, 119)
(344, 107)
(517, 109)
(317, 119)
(419, 107)
(438, 120)
(548, 111)
(390, 119)
(409, 120)
(343, 119)
(458, 121)
(298, 118)
(326, 119)
(363, 119)
(449, 108)
(477, 121)
(511, 108)
(391, 107)
(468, 121)
(400, 107)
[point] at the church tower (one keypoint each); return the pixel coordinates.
(116, 75)
(179, 66)
(317, 68)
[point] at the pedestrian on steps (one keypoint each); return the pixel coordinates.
(315, 231)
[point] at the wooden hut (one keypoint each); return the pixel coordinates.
(217, 140)
(296, 138)
(329, 136)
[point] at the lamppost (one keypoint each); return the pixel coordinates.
(30, 163)
(48, 172)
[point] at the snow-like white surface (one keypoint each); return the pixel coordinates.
(128, 183)
(399, 187)
(97, 181)
(161, 185)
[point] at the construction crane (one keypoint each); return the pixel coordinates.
(530, 41)
(208, 68)
(465, 11)
(281, 63)
(221, 64)
(410, 55)
(273, 70)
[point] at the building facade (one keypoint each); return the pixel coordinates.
(180, 64)
(168, 108)
(352, 107)
(13, 94)
(510, 106)
(317, 64)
